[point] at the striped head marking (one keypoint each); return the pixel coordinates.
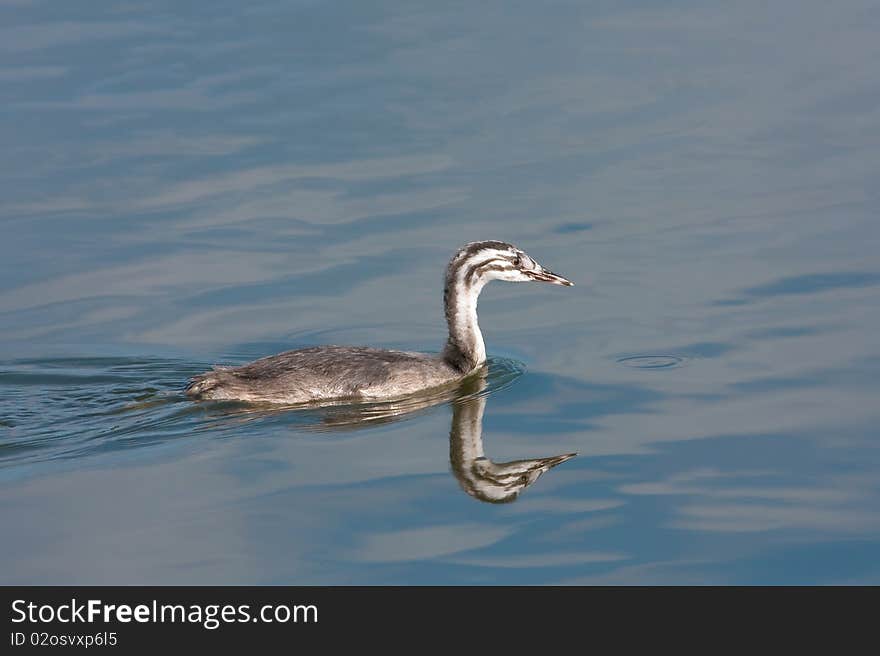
(477, 263)
(501, 482)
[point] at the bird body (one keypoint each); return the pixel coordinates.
(325, 373)
(331, 373)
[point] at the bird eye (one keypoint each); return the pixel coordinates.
(518, 261)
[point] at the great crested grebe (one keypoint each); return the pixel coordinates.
(329, 373)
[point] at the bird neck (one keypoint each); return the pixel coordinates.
(464, 349)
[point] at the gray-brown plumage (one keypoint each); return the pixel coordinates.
(328, 373)
(325, 373)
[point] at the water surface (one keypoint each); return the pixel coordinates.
(210, 184)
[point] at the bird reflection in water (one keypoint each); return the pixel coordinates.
(479, 476)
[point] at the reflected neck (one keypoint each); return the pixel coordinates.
(464, 349)
(466, 440)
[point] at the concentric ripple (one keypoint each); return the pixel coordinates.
(652, 361)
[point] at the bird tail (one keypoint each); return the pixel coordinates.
(199, 386)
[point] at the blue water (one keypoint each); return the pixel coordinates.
(210, 183)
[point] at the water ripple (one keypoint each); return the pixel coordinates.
(652, 361)
(66, 408)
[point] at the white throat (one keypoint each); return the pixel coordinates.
(465, 345)
(466, 320)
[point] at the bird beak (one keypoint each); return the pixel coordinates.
(542, 275)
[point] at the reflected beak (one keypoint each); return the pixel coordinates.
(542, 275)
(558, 460)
